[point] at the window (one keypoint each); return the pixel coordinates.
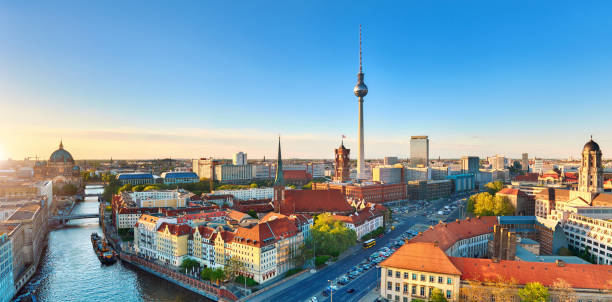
(405, 299)
(423, 278)
(414, 276)
(389, 285)
(397, 274)
(448, 294)
(430, 289)
(405, 275)
(396, 298)
(389, 296)
(423, 291)
(449, 281)
(431, 279)
(397, 287)
(440, 280)
(405, 288)
(390, 273)
(414, 289)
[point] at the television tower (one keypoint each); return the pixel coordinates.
(360, 91)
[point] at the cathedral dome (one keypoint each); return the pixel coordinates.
(61, 156)
(591, 146)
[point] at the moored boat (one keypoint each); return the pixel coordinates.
(104, 253)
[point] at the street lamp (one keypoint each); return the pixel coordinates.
(331, 291)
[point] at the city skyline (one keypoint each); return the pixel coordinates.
(508, 76)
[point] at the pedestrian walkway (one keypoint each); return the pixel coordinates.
(371, 296)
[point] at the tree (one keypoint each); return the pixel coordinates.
(252, 213)
(534, 292)
(331, 236)
(254, 186)
(494, 187)
(214, 275)
(563, 291)
(233, 267)
(437, 296)
(189, 264)
(498, 290)
(485, 204)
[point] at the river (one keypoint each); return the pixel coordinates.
(70, 271)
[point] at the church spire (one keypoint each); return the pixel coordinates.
(61, 146)
(279, 180)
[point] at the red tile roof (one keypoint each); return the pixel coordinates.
(527, 177)
(602, 200)
(266, 233)
(589, 276)
(421, 256)
(447, 234)
(317, 201)
(360, 217)
(175, 229)
(296, 174)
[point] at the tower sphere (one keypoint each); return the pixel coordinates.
(360, 89)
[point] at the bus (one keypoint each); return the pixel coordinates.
(369, 243)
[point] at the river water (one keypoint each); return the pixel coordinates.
(70, 271)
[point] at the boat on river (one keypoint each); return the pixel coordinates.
(102, 250)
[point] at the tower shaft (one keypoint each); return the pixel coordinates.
(361, 159)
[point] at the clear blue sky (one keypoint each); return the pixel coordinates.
(188, 79)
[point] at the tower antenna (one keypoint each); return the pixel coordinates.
(360, 63)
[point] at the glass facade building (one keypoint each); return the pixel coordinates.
(7, 287)
(419, 151)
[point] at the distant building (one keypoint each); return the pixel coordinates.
(429, 189)
(180, 177)
(523, 204)
(159, 199)
(343, 164)
(463, 182)
(419, 151)
(538, 165)
(388, 174)
(363, 221)
(497, 162)
(390, 160)
(136, 178)
(204, 167)
(7, 288)
(525, 162)
(239, 159)
(61, 167)
(367, 192)
(470, 164)
(247, 194)
(417, 173)
(233, 174)
(439, 173)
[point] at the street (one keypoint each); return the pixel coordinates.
(303, 288)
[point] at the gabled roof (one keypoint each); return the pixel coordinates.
(447, 234)
(513, 192)
(235, 215)
(314, 201)
(175, 229)
(358, 218)
(421, 256)
(591, 276)
(602, 200)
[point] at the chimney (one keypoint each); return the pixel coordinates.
(560, 263)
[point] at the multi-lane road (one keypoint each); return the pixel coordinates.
(304, 288)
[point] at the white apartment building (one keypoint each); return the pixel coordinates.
(160, 198)
(590, 233)
(145, 234)
(248, 194)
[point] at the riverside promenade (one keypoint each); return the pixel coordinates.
(203, 288)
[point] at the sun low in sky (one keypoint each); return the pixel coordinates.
(193, 79)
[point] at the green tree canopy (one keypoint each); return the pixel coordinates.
(485, 204)
(437, 296)
(534, 292)
(331, 236)
(494, 187)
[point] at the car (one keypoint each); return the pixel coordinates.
(325, 293)
(314, 299)
(350, 290)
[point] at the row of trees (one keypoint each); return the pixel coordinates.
(65, 190)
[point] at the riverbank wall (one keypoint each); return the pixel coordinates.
(202, 288)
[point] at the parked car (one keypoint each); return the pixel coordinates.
(350, 290)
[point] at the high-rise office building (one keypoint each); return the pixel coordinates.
(470, 164)
(497, 162)
(419, 151)
(239, 159)
(538, 165)
(525, 162)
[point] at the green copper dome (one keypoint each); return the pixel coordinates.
(61, 156)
